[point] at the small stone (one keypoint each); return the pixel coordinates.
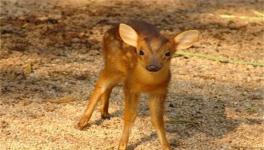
(171, 105)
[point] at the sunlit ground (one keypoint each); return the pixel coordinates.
(50, 57)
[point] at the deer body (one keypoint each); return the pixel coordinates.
(138, 56)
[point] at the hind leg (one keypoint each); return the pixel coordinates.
(105, 103)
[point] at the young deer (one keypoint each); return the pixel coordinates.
(138, 56)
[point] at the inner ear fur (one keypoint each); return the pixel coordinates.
(186, 39)
(128, 34)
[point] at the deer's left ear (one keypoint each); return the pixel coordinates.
(186, 39)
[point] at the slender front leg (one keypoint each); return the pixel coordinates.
(156, 105)
(131, 101)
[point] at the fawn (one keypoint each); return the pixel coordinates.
(137, 55)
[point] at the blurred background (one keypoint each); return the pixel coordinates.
(50, 57)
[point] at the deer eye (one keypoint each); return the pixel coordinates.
(168, 54)
(141, 53)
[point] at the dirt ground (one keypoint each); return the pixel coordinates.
(50, 58)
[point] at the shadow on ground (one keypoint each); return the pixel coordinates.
(74, 38)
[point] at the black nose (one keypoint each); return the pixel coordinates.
(153, 68)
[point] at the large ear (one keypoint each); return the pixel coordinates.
(186, 39)
(128, 34)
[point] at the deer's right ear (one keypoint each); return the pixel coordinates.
(128, 35)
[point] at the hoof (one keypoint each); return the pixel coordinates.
(105, 116)
(122, 147)
(81, 124)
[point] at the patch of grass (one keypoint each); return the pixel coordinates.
(219, 59)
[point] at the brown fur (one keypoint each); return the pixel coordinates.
(124, 65)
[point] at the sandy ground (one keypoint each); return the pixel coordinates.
(50, 58)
